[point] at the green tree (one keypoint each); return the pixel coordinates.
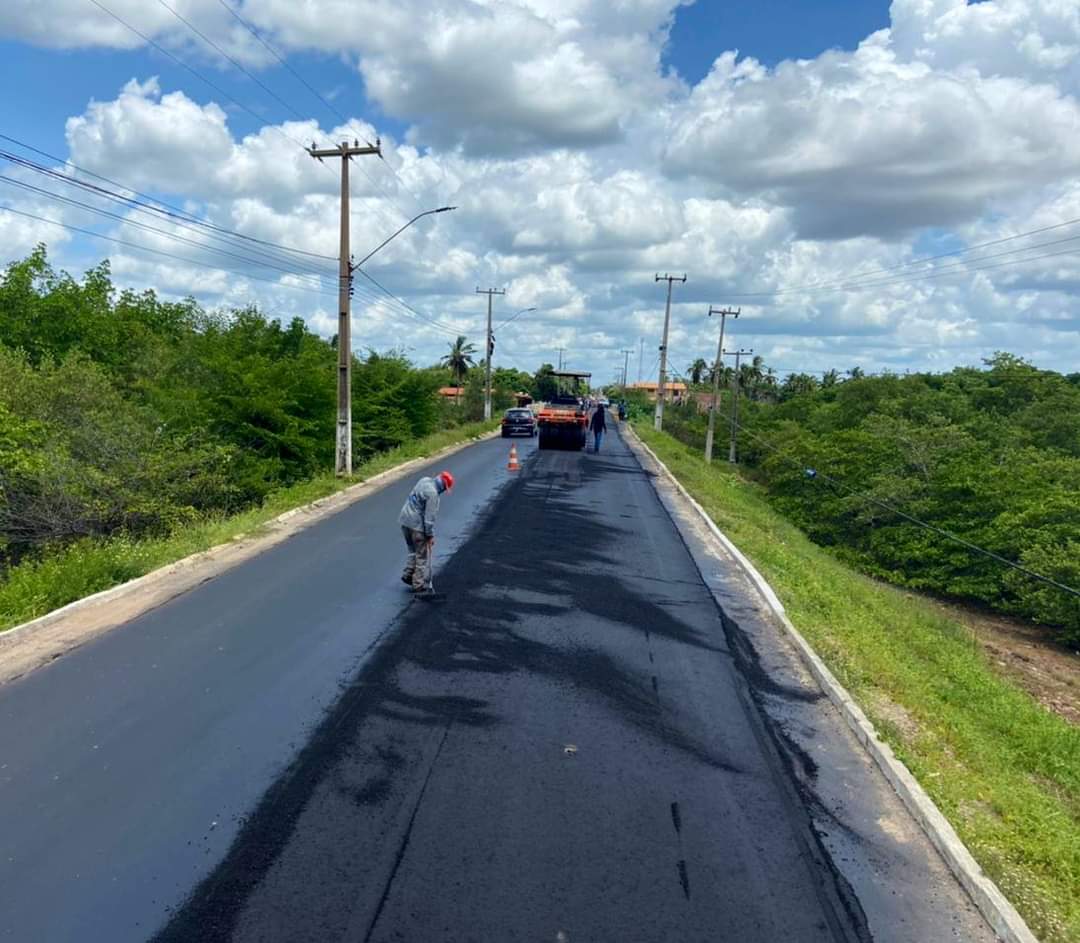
(459, 359)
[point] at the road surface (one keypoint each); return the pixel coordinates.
(571, 747)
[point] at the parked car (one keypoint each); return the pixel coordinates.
(518, 422)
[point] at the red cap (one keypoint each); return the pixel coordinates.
(447, 479)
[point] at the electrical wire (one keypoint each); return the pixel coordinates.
(147, 228)
(236, 65)
(262, 257)
(1032, 574)
(329, 107)
(202, 78)
(336, 111)
(160, 252)
(431, 320)
(150, 202)
(964, 267)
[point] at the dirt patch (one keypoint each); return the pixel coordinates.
(887, 711)
(1024, 654)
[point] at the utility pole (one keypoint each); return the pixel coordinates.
(658, 421)
(343, 443)
(625, 366)
(737, 354)
(490, 350)
(717, 370)
(640, 357)
(560, 351)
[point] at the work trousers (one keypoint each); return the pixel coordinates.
(418, 565)
(598, 437)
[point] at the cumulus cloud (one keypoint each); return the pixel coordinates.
(494, 77)
(543, 121)
(1038, 39)
(864, 143)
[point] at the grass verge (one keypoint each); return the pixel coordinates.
(89, 566)
(1002, 769)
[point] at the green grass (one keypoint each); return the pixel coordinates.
(36, 587)
(1003, 770)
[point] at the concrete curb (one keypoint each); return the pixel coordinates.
(28, 646)
(991, 903)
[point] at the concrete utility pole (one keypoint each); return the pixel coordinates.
(560, 351)
(717, 370)
(640, 357)
(625, 367)
(737, 354)
(658, 422)
(487, 369)
(343, 444)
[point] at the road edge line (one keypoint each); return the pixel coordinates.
(203, 565)
(995, 907)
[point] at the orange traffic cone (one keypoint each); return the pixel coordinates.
(513, 465)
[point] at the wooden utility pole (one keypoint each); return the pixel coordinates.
(490, 349)
(737, 354)
(658, 421)
(343, 444)
(717, 370)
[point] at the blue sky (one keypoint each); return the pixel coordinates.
(580, 168)
(769, 30)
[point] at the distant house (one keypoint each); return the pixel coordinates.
(673, 392)
(454, 394)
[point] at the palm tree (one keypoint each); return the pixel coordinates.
(830, 378)
(856, 373)
(697, 370)
(460, 358)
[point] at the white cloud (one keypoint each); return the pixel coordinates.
(580, 169)
(863, 143)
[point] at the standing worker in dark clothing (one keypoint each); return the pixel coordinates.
(417, 520)
(598, 424)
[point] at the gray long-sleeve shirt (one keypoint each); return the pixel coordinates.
(422, 506)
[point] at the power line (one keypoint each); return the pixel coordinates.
(373, 298)
(883, 278)
(206, 39)
(911, 518)
(163, 208)
(435, 323)
(341, 116)
(274, 261)
(161, 252)
(202, 78)
(147, 228)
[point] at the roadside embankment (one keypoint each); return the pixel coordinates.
(1003, 770)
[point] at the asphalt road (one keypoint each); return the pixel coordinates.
(127, 766)
(573, 746)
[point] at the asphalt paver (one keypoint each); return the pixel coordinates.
(565, 749)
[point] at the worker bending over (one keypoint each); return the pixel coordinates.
(417, 520)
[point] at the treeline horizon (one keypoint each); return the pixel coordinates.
(990, 455)
(122, 414)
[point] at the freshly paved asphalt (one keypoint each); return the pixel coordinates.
(126, 767)
(566, 749)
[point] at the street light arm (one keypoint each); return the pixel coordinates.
(441, 209)
(508, 320)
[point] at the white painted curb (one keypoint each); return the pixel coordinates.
(203, 565)
(992, 904)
